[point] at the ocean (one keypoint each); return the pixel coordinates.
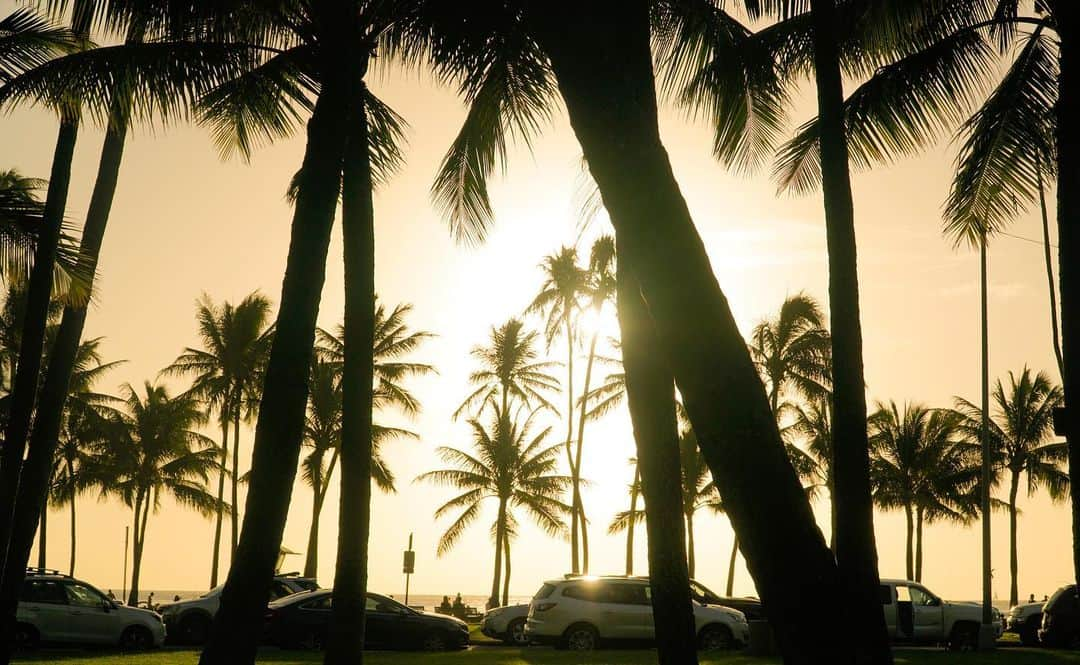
(426, 601)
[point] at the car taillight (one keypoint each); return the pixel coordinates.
(544, 607)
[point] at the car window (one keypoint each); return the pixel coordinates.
(306, 584)
(279, 590)
(544, 591)
(703, 595)
(321, 603)
(81, 595)
(585, 591)
(624, 594)
(43, 591)
(381, 604)
(922, 597)
(903, 595)
(886, 594)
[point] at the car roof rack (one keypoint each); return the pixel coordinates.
(33, 570)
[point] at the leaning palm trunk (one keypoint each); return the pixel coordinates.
(279, 430)
(220, 512)
(1014, 594)
(630, 523)
(506, 573)
(909, 543)
(1068, 211)
(311, 557)
(603, 64)
(34, 485)
(500, 533)
(580, 505)
(1054, 332)
(650, 396)
(731, 567)
(856, 553)
(690, 544)
(346, 631)
(918, 543)
(43, 532)
(984, 437)
(28, 366)
(71, 560)
(575, 476)
(235, 476)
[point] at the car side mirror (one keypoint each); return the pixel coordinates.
(107, 605)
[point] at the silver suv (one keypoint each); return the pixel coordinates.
(59, 608)
(579, 612)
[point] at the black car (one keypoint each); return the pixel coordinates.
(751, 607)
(1061, 619)
(301, 621)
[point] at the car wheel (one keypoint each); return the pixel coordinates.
(195, 629)
(434, 641)
(965, 637)
(715, 638)
(26, 637)
(581, 637)
(136, 638)
(1029, 637)
(515, 634)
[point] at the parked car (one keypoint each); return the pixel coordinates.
(301, 620)
(506, 624)
(1025, 620)
(580, 612)
(58, 608)
(750, 607)
(915, 615)
(188, 621)
(1061, 619)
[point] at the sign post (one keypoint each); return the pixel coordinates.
(408, 566)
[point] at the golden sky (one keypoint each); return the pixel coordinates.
(185, 222)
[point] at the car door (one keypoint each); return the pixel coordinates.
(888, 607)
(312, 618)
(87, 619)
(43, 604)
(381, 629)
(624, 609)
(927, 615)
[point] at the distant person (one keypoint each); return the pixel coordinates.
(459, 607)
(444, 606)
(150, 601)
(1045, 598)
(111, 595)
(176, 598)
(1032, 598)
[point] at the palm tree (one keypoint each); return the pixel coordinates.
(153, 452)
(560, 302)
(510, 465)
(812, 423)
(21, 214)
(626, 520)
(793, 349)
(509, 370)
(919, 466)
(698, 490)
(601, 65)
(226, 373)
(1018, 433)
(85, 425)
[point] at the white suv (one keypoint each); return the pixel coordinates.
(578, 612)
(58, 608)
(914, 614)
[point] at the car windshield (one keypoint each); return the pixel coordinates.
(544, 591)
(703, 595)
(384, 604)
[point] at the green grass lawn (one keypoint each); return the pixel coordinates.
(498, 655)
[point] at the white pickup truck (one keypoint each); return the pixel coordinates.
(914, 614)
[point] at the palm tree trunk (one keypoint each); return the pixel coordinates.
(54, 391)
(28, 367)
(43, 532)
(909, 561)
(856, 552)
(603, 63)
(650, 396)
(918, 543)
(1014, 594)
(731, 567)
(690, 544)
(136, 553)
(235, 476)
(575, 478)
(633, 520)
(311, 557)
(506, 577)
(984, 435)
(1067, 138)
(215, 561)
(279, 430)
(347, 617)
(71, 561)
(500, 533)
(577, 456)
(1055, 334)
